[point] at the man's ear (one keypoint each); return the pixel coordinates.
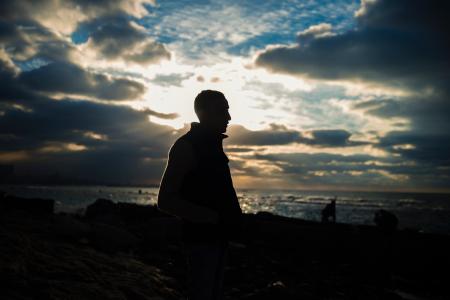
(200, 114)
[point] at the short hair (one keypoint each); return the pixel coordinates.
(207, 99)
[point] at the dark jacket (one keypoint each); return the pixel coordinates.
(209, 184)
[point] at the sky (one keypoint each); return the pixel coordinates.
(332, 95)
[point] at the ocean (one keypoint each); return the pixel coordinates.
(426, 212)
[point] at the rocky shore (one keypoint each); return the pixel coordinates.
(130, 251)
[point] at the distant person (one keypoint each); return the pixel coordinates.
(197, 187)
(329, 212)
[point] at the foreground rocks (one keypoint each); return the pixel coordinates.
(129, 251)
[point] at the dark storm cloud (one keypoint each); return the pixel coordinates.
(19, 9)
(421, 147)
(428, 113)
(118, 140)
(394, 42)
(281, 135)
(239, 135)
(160, 115)
(47, 59)
(78, 138)
(69, 78)
(67, 120)
(117, 37)
(331, 138)
(34, 119)
(361, 170)
(25, 39)
(303, 159)
(11, 90)
(428, 139)
(48, 64)
(33, 28)
(38, 30)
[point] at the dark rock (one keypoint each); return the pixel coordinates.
(386, 221)
(161, 229)
(132, 212)
(32, 205)
(66, 226)
(35, 266)
(103, 211)
(278, 258)
(111, 239)
(108, 212)
(265, 214)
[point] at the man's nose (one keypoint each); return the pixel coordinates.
(228, 116)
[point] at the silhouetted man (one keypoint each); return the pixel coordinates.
(197, 187)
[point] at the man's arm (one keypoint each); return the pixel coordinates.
(181, 161)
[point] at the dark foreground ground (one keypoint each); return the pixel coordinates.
(127, 251)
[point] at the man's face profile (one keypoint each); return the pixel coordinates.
(215, 116)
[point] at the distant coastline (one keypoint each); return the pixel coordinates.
(426, 212)
(89, 183)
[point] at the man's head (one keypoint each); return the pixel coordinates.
(211, 108)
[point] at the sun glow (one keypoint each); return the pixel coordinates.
(231, 78)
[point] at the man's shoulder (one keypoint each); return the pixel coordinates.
(181, 146)
(185, 139)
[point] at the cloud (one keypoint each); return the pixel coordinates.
(424, 148)
(171, 80)
(99, 141)
(11, 90)
(63, 16)
(63, 120)
(427, 113)
(118, 38)
(314, 32)
(29, 30)
(86, 140)
(239, 149)
(160, 115)
(330, 138)
(390, 44)
(427, 139)
(31, 118)
(26, 39)
(208, 32)
(358, 171)
(65, 65)
(278, 134)
(202, 33)
(68, 78)
(239, 135)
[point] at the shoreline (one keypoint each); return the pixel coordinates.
(146, 186)
(420, 212)
(136, 248)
